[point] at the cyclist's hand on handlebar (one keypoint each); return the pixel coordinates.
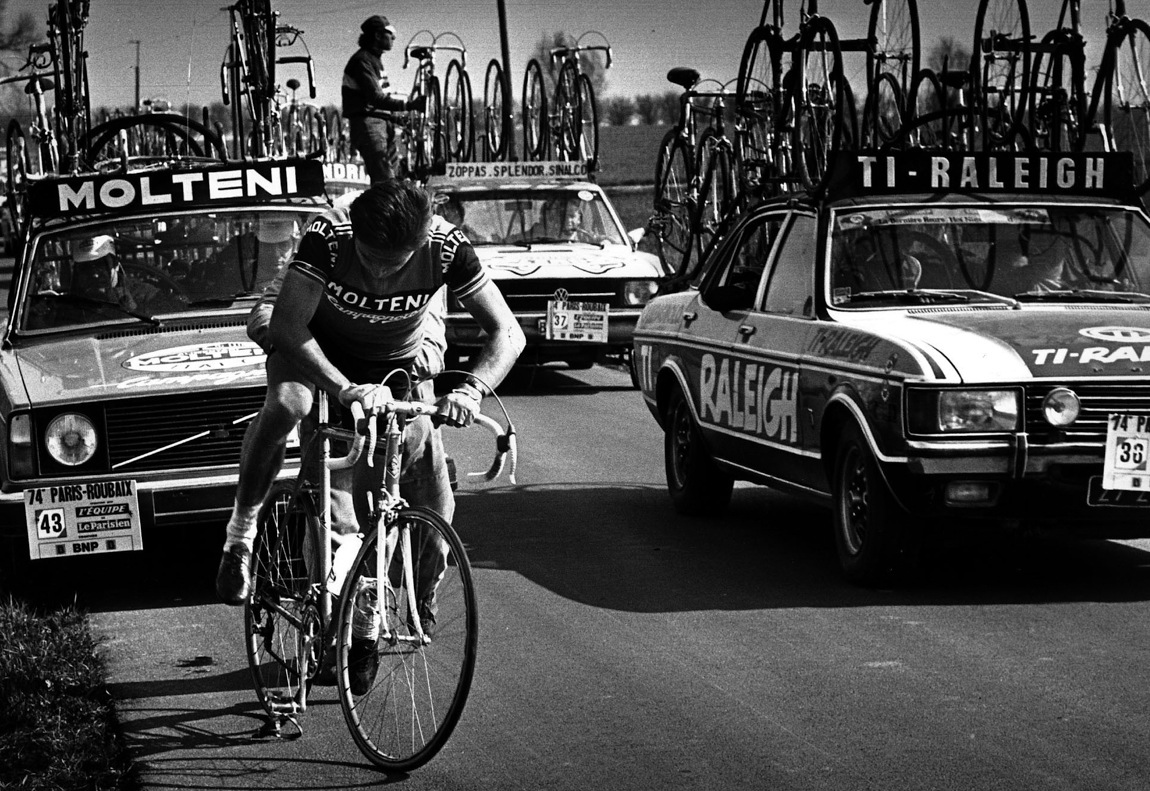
(372, 396)
(459, 408)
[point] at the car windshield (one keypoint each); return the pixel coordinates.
(1026, 253)
(143, 268)
(532, 216)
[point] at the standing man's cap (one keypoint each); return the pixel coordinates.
(377, 23)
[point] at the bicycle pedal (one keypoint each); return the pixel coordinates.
(272, 729)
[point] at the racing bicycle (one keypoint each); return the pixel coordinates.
(567, 126)
(443, 131)
(402, 685)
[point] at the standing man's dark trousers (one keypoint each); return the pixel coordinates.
(374, 138)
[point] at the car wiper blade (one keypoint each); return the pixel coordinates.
(76, 299)
(918, 295)
(221, 301)
(1082, 295)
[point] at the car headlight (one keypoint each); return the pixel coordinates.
(639, 292)
(70, 439)
(1060, 407)
(962, 411)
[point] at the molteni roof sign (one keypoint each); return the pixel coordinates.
(168, 189)
(859, 173)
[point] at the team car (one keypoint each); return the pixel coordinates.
(126, 375)
(937, 340)
(556, 249)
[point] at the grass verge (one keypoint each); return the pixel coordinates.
(58, 728)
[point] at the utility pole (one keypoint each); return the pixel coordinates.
(508, 125)
(136, 41)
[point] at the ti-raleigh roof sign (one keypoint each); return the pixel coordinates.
(172, 189)
(1099, 174)
(517, 170)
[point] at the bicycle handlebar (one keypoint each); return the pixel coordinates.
(505, 441)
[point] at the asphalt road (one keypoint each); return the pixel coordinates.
(624, 647)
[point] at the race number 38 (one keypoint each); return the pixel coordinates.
(1127, 461)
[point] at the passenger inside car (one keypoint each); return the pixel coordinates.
(250, 260)
(1025, 262)
(866, 263)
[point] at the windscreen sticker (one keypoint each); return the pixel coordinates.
(942, 215)
(754, 398)
(198, 357)
(586, 195)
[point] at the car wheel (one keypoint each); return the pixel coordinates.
(871, 529)
(696, 484)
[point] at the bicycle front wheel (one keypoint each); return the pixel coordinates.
(281, 619)
(408, 632)
(589, 124)
(673, 204)
(569, 112)
(456, 113)
(1000, 69)
(824, 117)
(534, 112)
(1126, 107)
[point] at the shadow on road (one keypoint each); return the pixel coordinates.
(623, 547)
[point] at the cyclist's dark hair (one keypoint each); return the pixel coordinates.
(392, 215)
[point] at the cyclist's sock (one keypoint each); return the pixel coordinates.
(242, 527)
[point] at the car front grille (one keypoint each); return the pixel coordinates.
(1097, 402)
(531, 296)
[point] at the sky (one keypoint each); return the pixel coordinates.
(183, 41)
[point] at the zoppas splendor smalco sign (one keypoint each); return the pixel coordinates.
(170, 189)
(1091, 173)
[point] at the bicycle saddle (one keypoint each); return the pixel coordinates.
(293, 84)
(954, 78)
(421, 53)
(683, 76)
(39, 85)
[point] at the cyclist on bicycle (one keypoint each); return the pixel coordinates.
(368, 103)
(349, 314)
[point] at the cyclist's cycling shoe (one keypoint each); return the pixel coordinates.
(362, 665)
(234, 578)
(426, 618)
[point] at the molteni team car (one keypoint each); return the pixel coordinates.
(937, 334)
(556, 248)
(126, 375)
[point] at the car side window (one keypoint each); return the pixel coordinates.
(791, 286)
(744, 270)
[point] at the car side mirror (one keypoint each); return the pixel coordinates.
(727, 298)
(636, 235)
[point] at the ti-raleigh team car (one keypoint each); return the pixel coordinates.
(961, 336)
(558, 252)
(126, 375)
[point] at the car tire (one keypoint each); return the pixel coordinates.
(696, 484)
(872, 531)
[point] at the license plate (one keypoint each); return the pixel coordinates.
(1119, 498)
(1127, 461)
(90, 518)
(576, 321)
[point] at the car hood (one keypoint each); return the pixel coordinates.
(121, 364)
(506, 262)
(1015, 345)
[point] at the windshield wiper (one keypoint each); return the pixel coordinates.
(76, 299)
(1082, 295)
(927, 295)
(221, 301)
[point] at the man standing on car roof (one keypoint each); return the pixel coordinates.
(368, 103)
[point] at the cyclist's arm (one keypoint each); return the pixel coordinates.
(505, 340)
(290, 336)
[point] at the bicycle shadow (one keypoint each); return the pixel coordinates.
(623, 547)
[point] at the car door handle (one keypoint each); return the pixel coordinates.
(689, 316)
(746, 330)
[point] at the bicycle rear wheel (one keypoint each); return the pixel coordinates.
(1126, 103)
(1000, 69)
(716, 194)
(569, 113)
(534, 112)
(456, 113)
(673, 205)
(1057, 93)
(401, 694)
(883, 115)
(589, 124)
(281, 620)
(897, 50)
(494, 144)
(19, 168)
(824, 117)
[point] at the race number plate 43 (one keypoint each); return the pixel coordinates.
(82, 519)
(1127, 462)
